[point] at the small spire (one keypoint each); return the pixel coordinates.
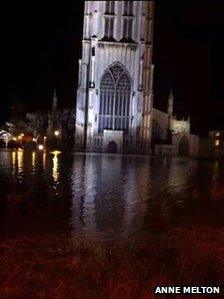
(55, 101)
(170, 103)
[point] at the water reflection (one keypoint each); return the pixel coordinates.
(121, 195)
(33, 162)
(17, 163)
(83, 192)
(20, 154)
(5, 163)
(55, 168)
(44, 160)
(112, 196)
(13, 164)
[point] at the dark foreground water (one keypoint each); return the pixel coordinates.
(108, 226)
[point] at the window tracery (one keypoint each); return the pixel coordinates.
(115, 93)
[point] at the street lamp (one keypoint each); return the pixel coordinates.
(40, 147)
(56, 133)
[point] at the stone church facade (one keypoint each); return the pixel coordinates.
(172, 135)
(115, 96)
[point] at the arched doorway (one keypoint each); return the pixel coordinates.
(115, 95)
(112, 147)
(184, 147)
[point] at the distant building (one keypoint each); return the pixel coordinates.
(61, 125)
(216, 143)
(172, 135)
(54, 129)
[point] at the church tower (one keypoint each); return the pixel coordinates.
(115, 95)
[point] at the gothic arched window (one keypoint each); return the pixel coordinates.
(115, 95)
(110, 7)
(156, 131)
(109, 19)
(127, 29)
(128, 8)
(128, 20)
(109, 28)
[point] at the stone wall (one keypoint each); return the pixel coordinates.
(160, 124)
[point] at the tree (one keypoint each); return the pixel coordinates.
(36, 124)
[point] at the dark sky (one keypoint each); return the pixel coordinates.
(41, 44)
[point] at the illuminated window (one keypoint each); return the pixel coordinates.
(217, 143)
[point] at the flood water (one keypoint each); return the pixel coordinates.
(140, 220)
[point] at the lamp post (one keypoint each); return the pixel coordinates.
(40, 147)
(45, 139)
(56, 133)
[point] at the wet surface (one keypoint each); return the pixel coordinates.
(137, 220)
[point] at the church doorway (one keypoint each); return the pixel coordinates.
(184, 148)
(112, 147)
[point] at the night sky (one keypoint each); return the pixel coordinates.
(41, 44)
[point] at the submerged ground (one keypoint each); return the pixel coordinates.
(108, 226)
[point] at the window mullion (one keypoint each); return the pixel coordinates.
(114, 99)
(127, 35)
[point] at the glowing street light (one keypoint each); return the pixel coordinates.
(34, 140)
(40, 147)
(56, 133)
(217, 142)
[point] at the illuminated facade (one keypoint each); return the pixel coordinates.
(115, 96)
(172, 136)
(165, 122)
(216, 139)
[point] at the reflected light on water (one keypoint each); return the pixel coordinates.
(20, 156)
(216, 170)
(99, 185)
(115, 196)
(13, 163)
(119, 217)
(33, 161)
(44, 160)
(55, 169)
